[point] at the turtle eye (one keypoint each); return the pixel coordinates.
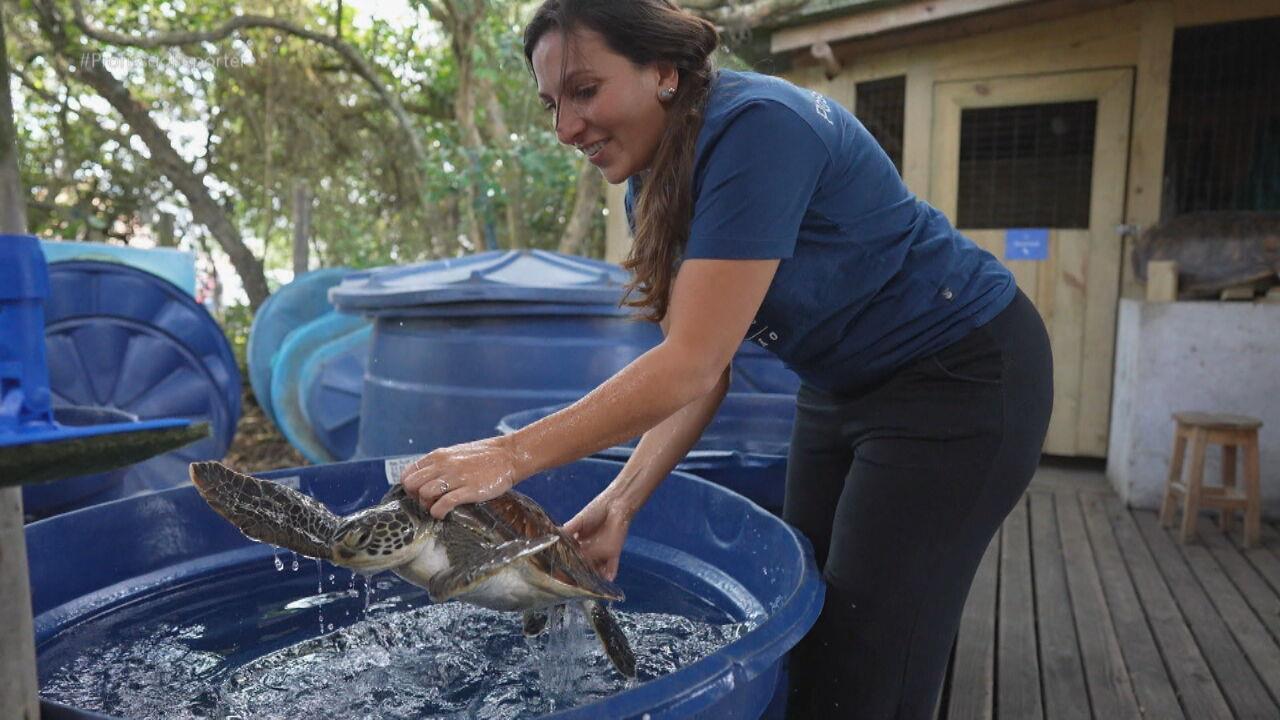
(358, 538)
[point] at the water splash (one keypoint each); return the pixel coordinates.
(449, 659)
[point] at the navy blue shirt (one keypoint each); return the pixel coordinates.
(870, 277)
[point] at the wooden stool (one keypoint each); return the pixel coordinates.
(1231, 432)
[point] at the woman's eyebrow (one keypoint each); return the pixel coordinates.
(568, 80)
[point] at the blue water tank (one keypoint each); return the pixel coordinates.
(744, 448)
(286, 310)
(120, 338)
(331, 382)
(93, 569)
(459, 344)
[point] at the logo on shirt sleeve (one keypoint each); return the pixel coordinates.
(760, 334)
(822, 106)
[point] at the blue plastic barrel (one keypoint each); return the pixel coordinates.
(121, 338)
(286, 310)
(331, 382)
(459, 344)
(176, 266)
(744, 448)
(95, 565)
(286, 374)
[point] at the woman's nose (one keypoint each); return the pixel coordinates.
(569, 124)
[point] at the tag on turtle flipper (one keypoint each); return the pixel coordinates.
(395, 467)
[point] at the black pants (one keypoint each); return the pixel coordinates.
(900, 489)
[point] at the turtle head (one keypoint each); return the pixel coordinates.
(380, 538)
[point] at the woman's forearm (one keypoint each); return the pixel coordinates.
(663, 447)
(641, 395)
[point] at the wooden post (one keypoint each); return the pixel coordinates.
(165, 235)
(1162, 281)
(19, 692)
(301, 228)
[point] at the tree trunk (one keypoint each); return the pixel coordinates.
(585, 205)
(301, 228)
(19, 691)
(512, 177)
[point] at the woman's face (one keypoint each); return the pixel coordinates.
(608, 107)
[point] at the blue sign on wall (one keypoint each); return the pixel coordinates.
(1026, 244)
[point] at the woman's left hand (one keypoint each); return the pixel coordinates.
(467, 473)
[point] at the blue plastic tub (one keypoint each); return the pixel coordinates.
(287, 396)
(710, 542)
(458, 345)
(744, 448)
(121, 338)
(331, 382)
(286, 310)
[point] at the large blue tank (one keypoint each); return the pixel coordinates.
(104, 562)
(744, 448)
(457, 345)
(288, 396)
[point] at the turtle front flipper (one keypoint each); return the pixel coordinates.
(266, 511)
(615, 643)
(483, 563)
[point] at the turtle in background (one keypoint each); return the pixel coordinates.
(501, 554)
(1214, 250)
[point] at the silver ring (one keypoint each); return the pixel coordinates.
(444, 486)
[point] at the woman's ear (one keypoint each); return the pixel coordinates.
(668, 75)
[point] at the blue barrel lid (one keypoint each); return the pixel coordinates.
(332, 383)
(119, 337)
(548, 279)
(286, 310)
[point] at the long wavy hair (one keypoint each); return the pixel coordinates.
(645, 32)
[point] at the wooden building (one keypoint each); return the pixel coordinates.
(1053, 130)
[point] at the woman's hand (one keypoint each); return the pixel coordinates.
(601, 529)
(467, 473)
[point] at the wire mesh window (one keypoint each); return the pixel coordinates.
(1223, 143)
(1026, 165)
(880, 106)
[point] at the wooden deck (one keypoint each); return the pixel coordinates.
(1084, 609)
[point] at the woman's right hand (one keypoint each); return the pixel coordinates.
(601, 529)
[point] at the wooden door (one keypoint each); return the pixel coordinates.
(1011, 153)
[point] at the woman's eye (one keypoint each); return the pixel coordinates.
(586, 92)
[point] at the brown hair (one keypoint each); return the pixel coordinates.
(645, 32)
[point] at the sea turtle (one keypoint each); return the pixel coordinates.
(502, 554)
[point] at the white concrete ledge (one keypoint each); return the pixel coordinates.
(1212, 356)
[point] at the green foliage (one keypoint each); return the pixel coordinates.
(263, 111)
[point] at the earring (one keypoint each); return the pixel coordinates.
(666, 94)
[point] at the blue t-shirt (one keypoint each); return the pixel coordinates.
(870, 277)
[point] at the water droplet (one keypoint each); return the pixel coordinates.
(279, 563)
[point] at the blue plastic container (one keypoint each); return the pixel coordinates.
(722, 548)
(458, 345)
(286, 310)
(744, 448)
(331, 382)
(287, 372)
(120, 338)
(176, 266)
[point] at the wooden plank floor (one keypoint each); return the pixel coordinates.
(1082, 608)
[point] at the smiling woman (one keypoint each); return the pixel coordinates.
(765, 211)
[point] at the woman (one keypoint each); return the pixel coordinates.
(763, 210)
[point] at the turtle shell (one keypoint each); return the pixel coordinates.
(515, 516)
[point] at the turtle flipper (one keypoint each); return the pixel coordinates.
(535, 621)
(266, 511)
(462, 577)
(611, 636)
